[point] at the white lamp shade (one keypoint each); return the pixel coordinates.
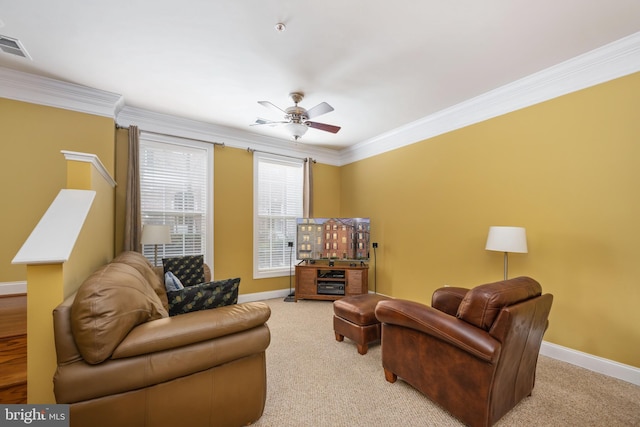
(507, 239)
(155, 234)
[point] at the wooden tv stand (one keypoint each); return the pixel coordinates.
(324, 282)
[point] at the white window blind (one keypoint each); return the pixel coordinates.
(278, 189)
(176, 190)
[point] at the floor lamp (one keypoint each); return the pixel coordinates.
(507, 239)
(290, 297)
(155, 235)
(375, 268)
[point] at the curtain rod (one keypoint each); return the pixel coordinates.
(252, 150)
(173, 136)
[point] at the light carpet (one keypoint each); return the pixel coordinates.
(314, 380)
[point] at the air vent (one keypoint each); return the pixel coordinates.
(13, 46)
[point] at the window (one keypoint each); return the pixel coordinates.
(176, 189)
(278, 187)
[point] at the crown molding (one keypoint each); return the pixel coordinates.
(606, 63)
(54, 93)
(151, 121)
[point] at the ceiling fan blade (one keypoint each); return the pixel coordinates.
(271, 106)
(323, 126)
(261, 121)
(318, 110)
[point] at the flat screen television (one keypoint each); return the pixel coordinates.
(340, 239)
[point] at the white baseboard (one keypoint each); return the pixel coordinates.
(607, 367)
(11, 288)
(261, 296)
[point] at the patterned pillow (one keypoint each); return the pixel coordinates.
(203, 296)
(188, 269)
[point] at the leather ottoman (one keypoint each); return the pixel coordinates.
(354, 317)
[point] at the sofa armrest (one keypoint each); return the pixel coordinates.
(448, 299)
(430, 321)
(190, 328)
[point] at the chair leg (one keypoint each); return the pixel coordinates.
(363, 348)
(390, 376)
(339, 337)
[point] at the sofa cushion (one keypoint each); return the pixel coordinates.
(188, 269)
(144, 267)
(204, 296)
(108, 304)
(482, 304)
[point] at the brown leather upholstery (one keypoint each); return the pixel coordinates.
(205, 368)
(155, 278)
(474, 352)
(354, 318)
(111, 302)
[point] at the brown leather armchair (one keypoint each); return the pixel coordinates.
(473, 352)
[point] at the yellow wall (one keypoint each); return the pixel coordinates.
(233, 213)
(326, 191)
(34, 170)
(87, 255)
(45, 283)
(567, 170)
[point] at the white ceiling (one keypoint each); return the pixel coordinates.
(381, 65)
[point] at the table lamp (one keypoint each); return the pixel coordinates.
(507, 239)
(155, 235)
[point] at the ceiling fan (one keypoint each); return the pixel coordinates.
(296, 118)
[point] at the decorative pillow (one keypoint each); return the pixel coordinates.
(144, 267)
(108, 304)
(171, 282)
(188, 269)
(204, 296)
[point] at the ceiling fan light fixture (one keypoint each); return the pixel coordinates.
(296, 119)
(296, 130)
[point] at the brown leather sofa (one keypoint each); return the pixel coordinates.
(473, 352)
(122, 361)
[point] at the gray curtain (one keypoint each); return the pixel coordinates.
(133, 218)
(307, 204)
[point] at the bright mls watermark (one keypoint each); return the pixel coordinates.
(37, 415)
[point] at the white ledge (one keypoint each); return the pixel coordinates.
(90, 158)
(53, 239)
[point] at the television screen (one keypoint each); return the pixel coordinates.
(333, 238)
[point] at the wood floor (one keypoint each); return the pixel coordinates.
(13, 349)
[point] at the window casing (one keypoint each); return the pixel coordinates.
(278, 195)
(176, 189)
